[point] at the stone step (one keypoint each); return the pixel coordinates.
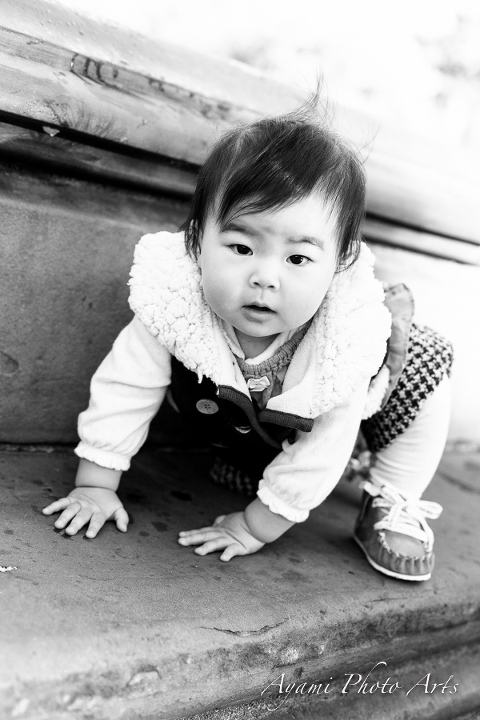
(419, 689)
(133, 626)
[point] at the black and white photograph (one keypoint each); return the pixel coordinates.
(239, 348)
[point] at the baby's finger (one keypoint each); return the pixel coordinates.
(56, 506)
(96, 523)
(196, 537)
(80, 519)
(69, 513)
(231, 551)
(213, 545)
(219, 519)
(188, 533)
(121, 519)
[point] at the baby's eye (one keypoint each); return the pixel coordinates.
(241, 249)
(298, 259)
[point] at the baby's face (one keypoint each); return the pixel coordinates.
(268, 272)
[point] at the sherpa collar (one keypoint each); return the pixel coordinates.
(343, 348)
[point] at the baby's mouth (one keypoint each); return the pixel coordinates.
(259, 308)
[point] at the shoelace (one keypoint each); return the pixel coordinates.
(405, 515)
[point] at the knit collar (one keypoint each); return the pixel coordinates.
(343, 348)
(232, 341)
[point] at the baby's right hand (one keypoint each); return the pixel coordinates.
(91, 505)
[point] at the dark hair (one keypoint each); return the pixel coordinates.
(274, 162)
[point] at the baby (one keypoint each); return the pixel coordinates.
(264, 326)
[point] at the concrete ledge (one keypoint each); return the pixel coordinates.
(135, 626)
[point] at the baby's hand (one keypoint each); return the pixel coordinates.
(229, 533)
(91, 505)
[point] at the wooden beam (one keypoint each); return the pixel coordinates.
(61, 70)
(376, 231)
(51, 22)
(54, 86)
(49, 149)
(422, 198)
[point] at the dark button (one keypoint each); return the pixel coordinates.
(207, 407)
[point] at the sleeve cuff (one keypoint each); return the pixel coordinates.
(278, 506)
(104, 458)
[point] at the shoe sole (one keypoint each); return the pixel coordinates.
(390, 573)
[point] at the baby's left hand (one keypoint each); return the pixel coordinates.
(229, 533)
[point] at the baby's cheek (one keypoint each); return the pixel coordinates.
(215, 296)
(307, 304)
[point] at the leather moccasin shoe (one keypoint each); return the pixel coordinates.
(393, 533)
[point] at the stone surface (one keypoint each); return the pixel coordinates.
(135, 626)
(66, 252)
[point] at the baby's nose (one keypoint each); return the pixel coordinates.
(264, 282)
(265, 276)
